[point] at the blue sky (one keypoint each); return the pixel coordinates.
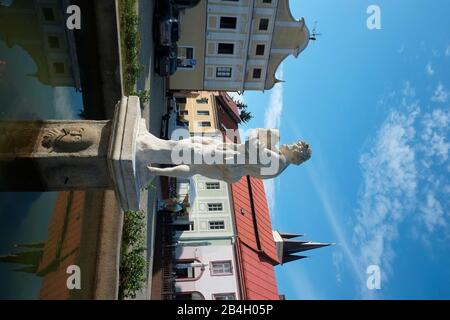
(374, 105)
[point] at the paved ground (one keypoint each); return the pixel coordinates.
(152, 112)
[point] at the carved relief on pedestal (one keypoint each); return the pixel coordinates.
(68, 140)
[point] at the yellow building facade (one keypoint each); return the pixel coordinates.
(236, 45)
(198, 110)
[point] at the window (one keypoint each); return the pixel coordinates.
(260, 48)
(267, 1)
(264, 24)
(186, 57)
(224, 296)
(180, 100)
(184, 226)
(53, 42)
(256, 73)
(221, 268)
(228, 22)
(216, 225)
(202, 112)
(223, 72)
(226, 48)
(212, 185)
(48, 14)
(204, 124)
(215, 207)
(202, 100)
(184, 270)
(184, 112)
(58, 67)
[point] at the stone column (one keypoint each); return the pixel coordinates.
(54, 155)
(73, 155)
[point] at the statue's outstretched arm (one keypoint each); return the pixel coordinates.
(181, 171)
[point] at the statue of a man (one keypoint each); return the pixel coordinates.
(215, 159)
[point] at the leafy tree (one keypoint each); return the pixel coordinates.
(245, 116)
(241, 105)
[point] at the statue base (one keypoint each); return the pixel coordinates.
(122, 153)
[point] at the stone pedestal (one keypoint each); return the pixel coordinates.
(73, 155)
(122, 152)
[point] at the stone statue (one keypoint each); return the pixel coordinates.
(121, 154)
(213, 158)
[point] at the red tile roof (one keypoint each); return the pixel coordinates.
(259, 276)
(230, 106)
(256, 245)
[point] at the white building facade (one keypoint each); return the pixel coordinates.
(236, 45)
(206, 272)
(209, 215)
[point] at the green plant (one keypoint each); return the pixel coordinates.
(133, 227)
(130, 43)
(241, 105)
(151, 185)
(245, 115)
(144, 96)
(133, 263)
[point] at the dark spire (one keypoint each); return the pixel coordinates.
(293, 246)
(287, 235)
(286, 247)
(291, 257)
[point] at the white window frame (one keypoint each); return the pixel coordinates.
(212, 184)
(226, 295)
(216, 206)
(230, 68)
(216, 223)
(221, 268)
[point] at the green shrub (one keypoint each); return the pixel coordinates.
(130, 43)
(133, 262)
(144, 96)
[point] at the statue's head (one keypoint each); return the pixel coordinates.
(296, 153)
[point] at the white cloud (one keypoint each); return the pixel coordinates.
(440, 94)
(435, 134)
(338, 259)
(275, 108)
(272, 119)
(432, 213)
(400, 184)
(390, 184)
(269, 187)
(408, 91)
(429, 69)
